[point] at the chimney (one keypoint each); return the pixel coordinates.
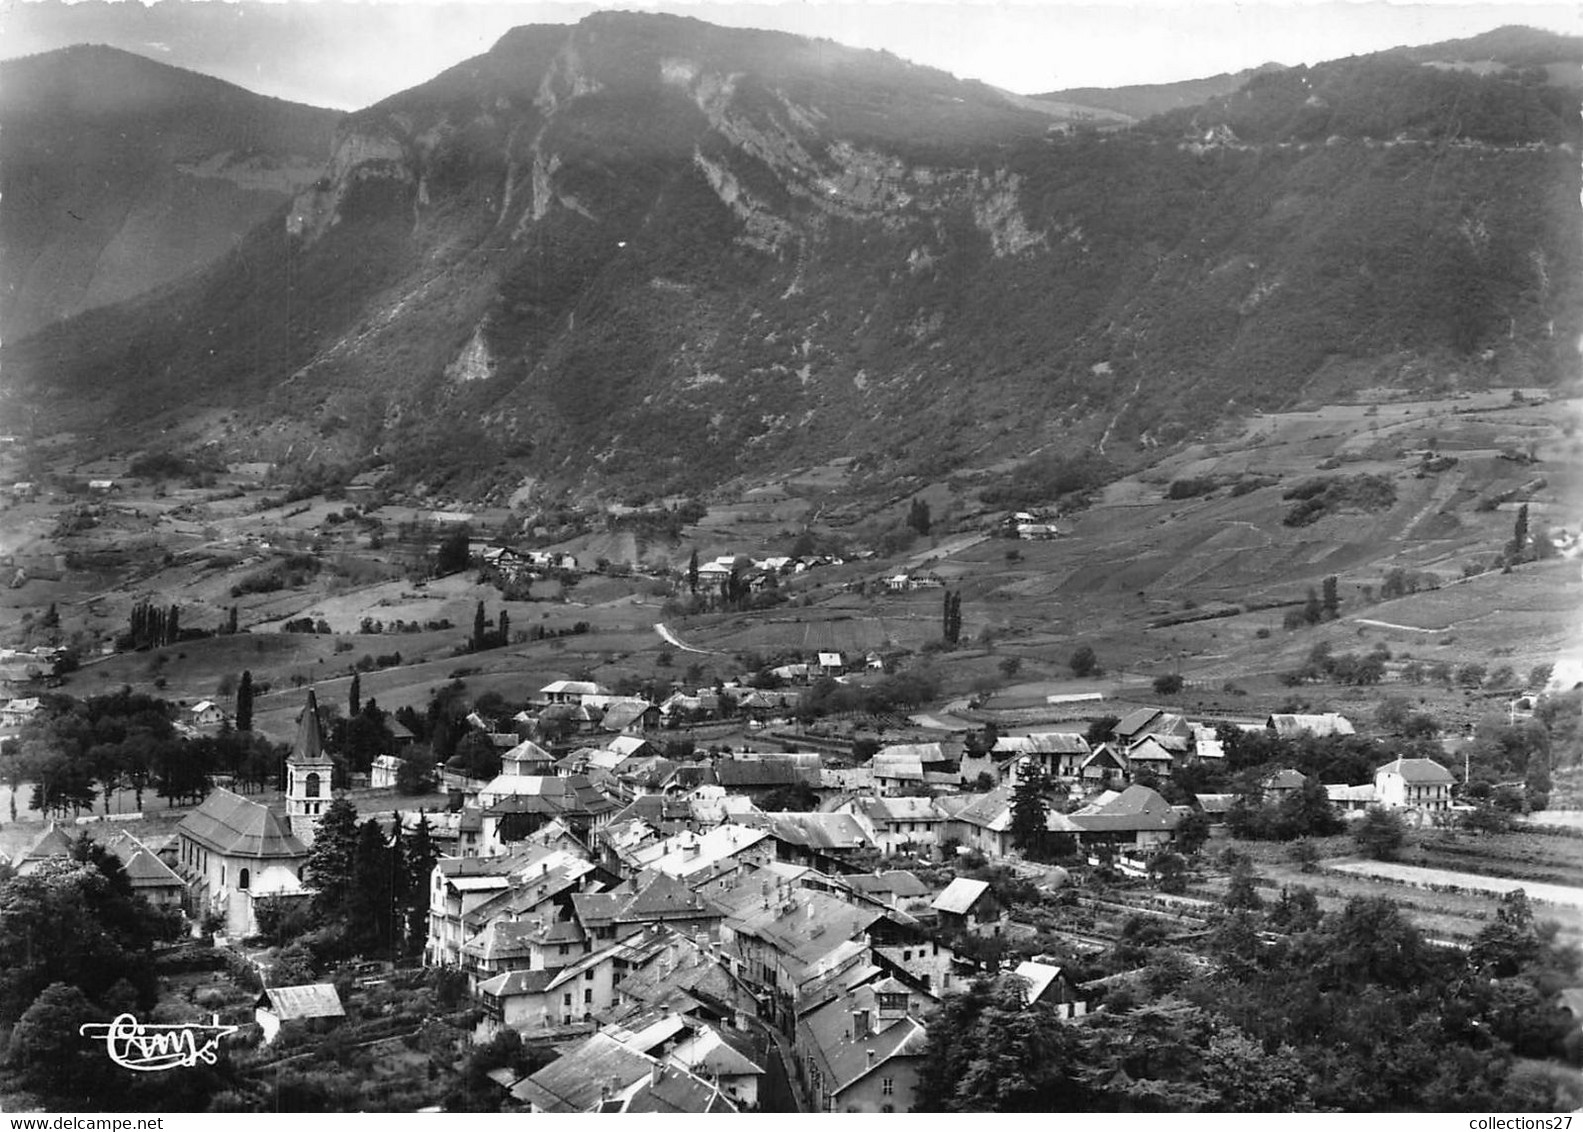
(870, 1055)
(657, 1074)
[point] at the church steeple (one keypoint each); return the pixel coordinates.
(310, 743)
(309, 773)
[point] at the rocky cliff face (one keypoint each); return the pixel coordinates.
(645, 250)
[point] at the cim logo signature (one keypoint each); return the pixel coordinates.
(149, 1049)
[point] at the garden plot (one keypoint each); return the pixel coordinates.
(1418, 877)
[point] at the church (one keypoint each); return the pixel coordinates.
(235, 852)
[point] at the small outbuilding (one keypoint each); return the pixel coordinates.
(314, 1007)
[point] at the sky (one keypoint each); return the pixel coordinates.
(347, 55)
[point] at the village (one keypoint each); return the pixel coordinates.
(676, 947)
(706, 807)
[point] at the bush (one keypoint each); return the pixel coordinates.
(1380, 834)
(1190, 487)
(1168, 685)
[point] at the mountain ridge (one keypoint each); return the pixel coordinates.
(121, 173)
(644, 250)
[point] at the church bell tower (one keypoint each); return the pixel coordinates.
(308, 775)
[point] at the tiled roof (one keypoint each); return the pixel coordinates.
(897, 881)
(1044, 743)
(769, 771)
(1136, 808)
(233, 826)
(1419, 772)
(510, 983)
(573, 1083)
(810, 830)
(844, 1060)
(52, 843)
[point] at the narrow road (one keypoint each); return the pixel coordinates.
(671, 639)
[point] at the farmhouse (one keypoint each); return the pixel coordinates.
(206, 713)
(910, 765)
(571, 691)
(151, 878)
(894, 824)
(1058, 754)
(1137, 816)
(1421, 784)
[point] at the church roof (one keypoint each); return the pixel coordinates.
(233, 826)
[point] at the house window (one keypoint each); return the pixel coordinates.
(222, 876)
(906, 955)
(588, 996)
(311, 786)
(563, 949)
(566, 999)
(588, 975)
(887, 1086)
(243, 879)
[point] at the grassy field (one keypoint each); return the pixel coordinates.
(1128, 579)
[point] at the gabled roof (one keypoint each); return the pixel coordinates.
(1418, 772)
(767, 771)
(674, 1090)
(1149, 750)
(1044, 743)
(692, 854)
(628, 745)
(805, 926)
(1103, 755)
(991, 811)
(902, 809)
(898, 882)
(573, 1082)
(711, 1052)
(509, 984)
(52, 843)
(314, 1000)
(1134, 722)
(233, 826)
(960, 895)
(625, 713)
(844, 1060)
(572, 688)
(1040, 977)
(810, 830)
(1287, 779)
(1136, 808)
(143, 869)
(918, 752)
